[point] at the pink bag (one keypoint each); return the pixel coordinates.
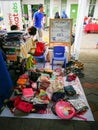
(27, 92)
(64, 110)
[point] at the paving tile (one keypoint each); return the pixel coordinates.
(87, 91)
(87, 85)
(91, 91)
(11, 124)
(90, 85)
(94, 91)
(62, 125)
(95, 85)
(93, 106)
(96, 115)
(81, 125)
(93, 125)
(92, 98)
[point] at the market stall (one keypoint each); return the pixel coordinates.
(17, 45)
(39, 92)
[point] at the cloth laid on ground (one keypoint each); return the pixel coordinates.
(49, 95)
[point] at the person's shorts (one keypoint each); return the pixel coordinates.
(39, 32)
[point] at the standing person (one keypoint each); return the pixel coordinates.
(85, 20)
(93, 20)
(64, 15)
(37, 21)
(57, 15)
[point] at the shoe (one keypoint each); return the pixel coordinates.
(78, 65)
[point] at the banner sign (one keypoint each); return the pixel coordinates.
(12, 13)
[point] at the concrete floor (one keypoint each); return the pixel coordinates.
(89, 56)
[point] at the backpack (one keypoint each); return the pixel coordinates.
(40, 48)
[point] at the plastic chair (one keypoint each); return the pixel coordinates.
(58, 55)
(40, 52)
(40, 57)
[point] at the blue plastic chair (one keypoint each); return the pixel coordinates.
(40, 57)
(58, 55)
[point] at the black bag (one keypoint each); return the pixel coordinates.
(34, 76)
(69, 90)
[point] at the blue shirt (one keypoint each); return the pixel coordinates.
(64, 15)
(38, 19)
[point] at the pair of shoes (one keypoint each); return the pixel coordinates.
(78, 65)
(70, 63)
(75, 70)
(80, 75)
(67, 71)
(78, 72)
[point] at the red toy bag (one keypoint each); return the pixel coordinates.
(24, 106)
(39, 49)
